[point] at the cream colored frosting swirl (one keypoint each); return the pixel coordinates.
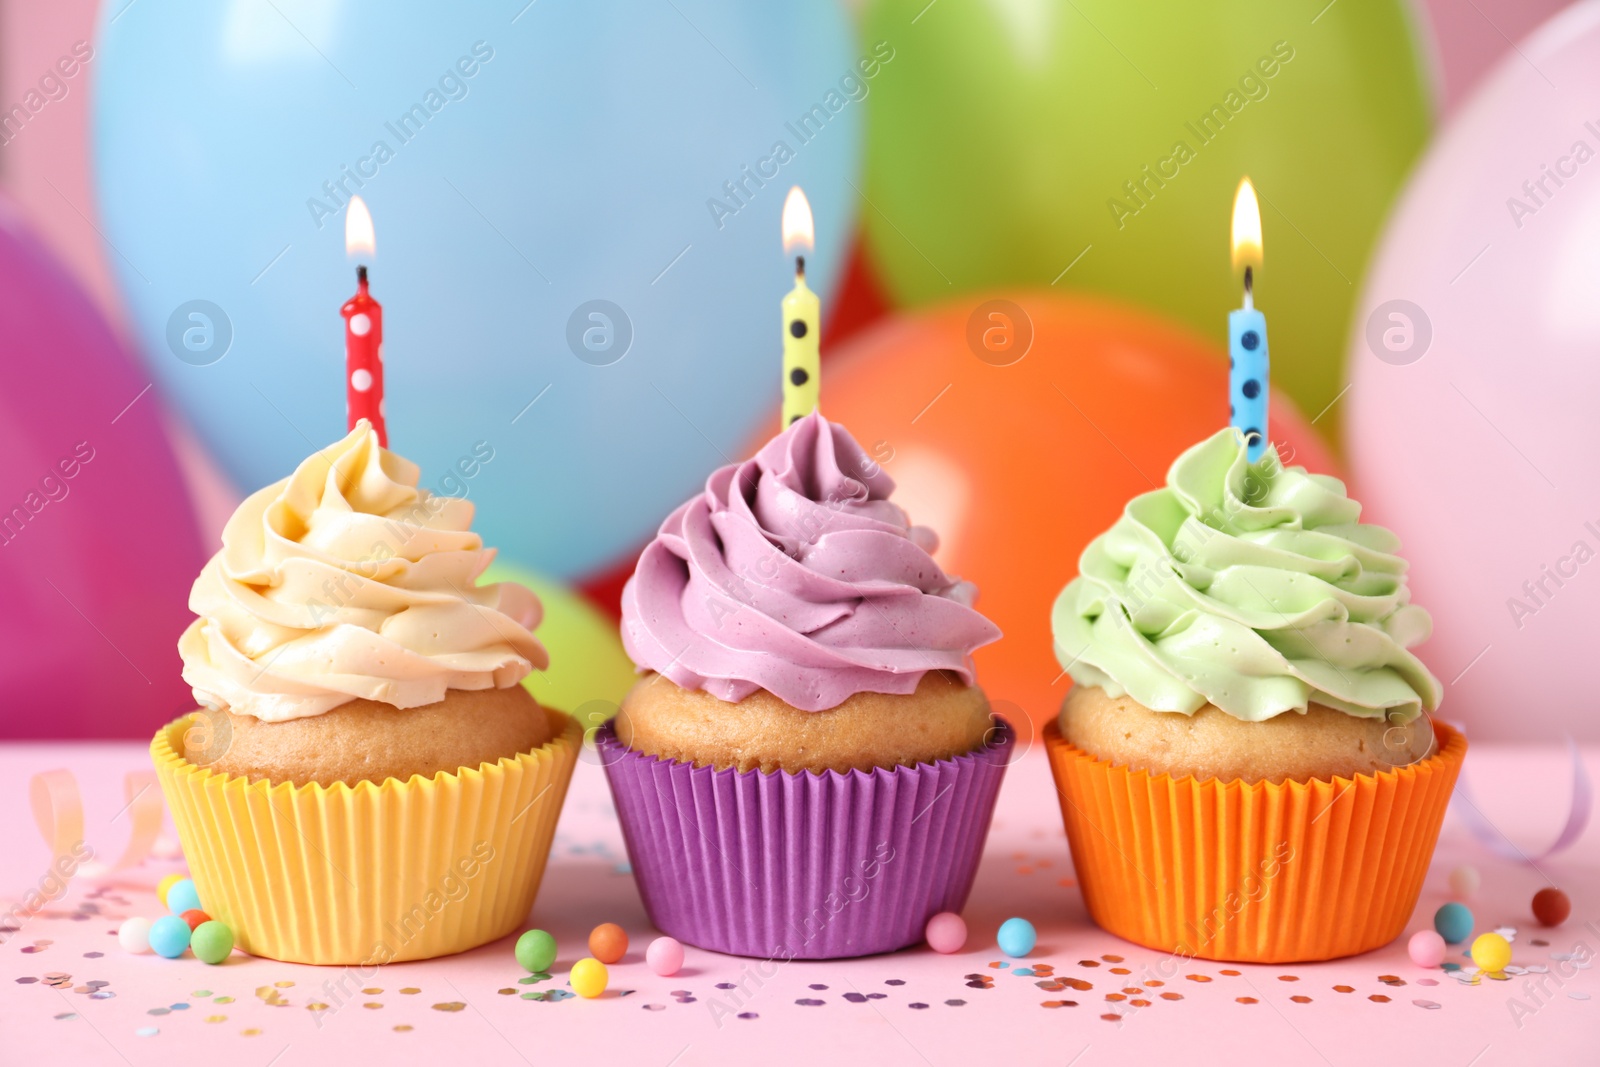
(346, 580)
(1251, 586)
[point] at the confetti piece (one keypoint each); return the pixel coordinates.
(1230, 974)
(818, 986)
(1431, 1005)
(1111, 1017)
(1132, 989)
(1088, 963)
(1378, 998)
(860, 998)
(67, 1015)
(1577, 994)
(894, 981)
(955, 1003)
(1172, 996)
(748, 1015)
(812, 1002)
(372, 992)
(654, 1007)
(402, 1028)
(143, 1031)
(411, 989)
(216, 1018)
(1344, 989)
(1120, 970)
(1114, 997)
(456, 1005)
(1058, 1003)
(373, 1005)
(1391, 979)
(1112, 959)
(222, 1000)
(917, 1005)
(251, 1032)
(1300, 999)
(1139, 1003)
(101, 994)
(1153, 982)
(284, 984)
(159, 1011)
(1077, 983)
(1198, 977)
(1247, 1000)
(26, 981)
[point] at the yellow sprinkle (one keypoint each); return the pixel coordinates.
(216, 1018)
(450, 1005)
(252, 1032)
(316, 1005)
(410, 989)
(372, 1004)
(372, 992)
(283, 985)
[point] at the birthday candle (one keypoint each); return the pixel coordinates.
(802, 317)
(363, 331)
(1247, 330)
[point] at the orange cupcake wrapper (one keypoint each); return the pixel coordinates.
(1262, 873)
(371, 873)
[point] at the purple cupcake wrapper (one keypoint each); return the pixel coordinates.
(803, 866)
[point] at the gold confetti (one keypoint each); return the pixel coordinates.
(1120, 970)
(251, 1032)
(450, 1005)
(508, 991)
(284, 984)
(1230, 974)
(372, 1005)
(409, 990)
(372, 992)
(402, 1028)
(216, 1018)
(316, 1005)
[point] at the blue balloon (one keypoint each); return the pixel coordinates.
(577, 214)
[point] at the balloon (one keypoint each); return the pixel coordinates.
(587, 662)
(1471, 37)
(1016, 467)
(98, 544)
(1475, 369)
(1097, 146)
(577, 213)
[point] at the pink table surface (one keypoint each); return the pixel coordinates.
(918, 1007)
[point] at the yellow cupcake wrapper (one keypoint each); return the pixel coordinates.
(371, 873)
(1253, 873)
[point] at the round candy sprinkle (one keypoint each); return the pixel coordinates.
(182, 896)
(194, 917)
(1454, 922)
(134, 935)
(588, 978)
(947, 932)
(536, 951)
(665, 956)
(1491, 952)
(608, 942)
(165, 884)
(1551, 906)
(1464, 882)
(1017, 937)
(212, 941)
(1426, 948)
(169, 936)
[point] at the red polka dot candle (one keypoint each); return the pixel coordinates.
(363, 330)
(1247, 329)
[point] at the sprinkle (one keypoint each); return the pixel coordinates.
(67, 1015)
(159, 1011)
(402, 1028)
(251, 1032)
(1344, 989)
(1115, 997)
(917, 1005)
(748, 1015)
(456, 1005)
(812, 1002)
(201, 993)
(93, 955)
(1198, 977)
(1111, 1017)
(180, 1007)
(1120, 970)
(372, 992)
(1112, 959)
(1431, 1005)
(857, 998)
(1172, 996)
(26, 981)
(1088, 963)
(1139, 1003)
(1427, 981)
(1301, 999)
(222, 1000)
(216, 1018)
(1541, 942)
(726, 985)
(1378, 998)
(1288, 978)
(1247, 1000)
(101, 994)
(1132, 989)
(1077, 983)
(1155, 982)
(894, 981)
(1058, 1003)
(284, 984)
(410, 990)
(1391, 979)
(373, 1005)
(955, 1003)
(818, 986)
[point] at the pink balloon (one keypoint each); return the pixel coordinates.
(1475, 382)
(98, 545)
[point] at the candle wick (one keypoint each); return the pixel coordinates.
(1249, 289)
(799, 266)
(361, 275)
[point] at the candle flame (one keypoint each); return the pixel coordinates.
(798, 229)
(1246, 227)
(358, 234)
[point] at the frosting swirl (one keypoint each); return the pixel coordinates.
(344, 581)
(794, 573)
(1253, 587)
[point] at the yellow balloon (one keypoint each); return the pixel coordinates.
(587, 662)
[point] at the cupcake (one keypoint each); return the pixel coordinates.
(366, 780)
(1246, 763)
(806, 768)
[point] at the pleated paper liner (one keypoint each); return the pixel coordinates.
(370, 873)
(803, 866)
(1262, 873)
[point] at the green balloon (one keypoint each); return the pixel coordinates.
(1097, 145)
(587, 661)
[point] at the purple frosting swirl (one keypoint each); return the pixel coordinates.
(794, 573)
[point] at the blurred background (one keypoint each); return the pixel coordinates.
(174, 177)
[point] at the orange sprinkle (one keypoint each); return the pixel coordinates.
(1155, 982)
(372, 1004)
(1076, 983)
(1088, 963)
(1247, 1000)
(1112, 959)
(1344, 989)
(1172, 996)
(372, 991)
(402, 1028)
(1111, 1017)
(1378, 998)
(1140, 1003)
(1288, 978)
(1230, 974)
(1115, 996)
(1024, 869)
(1301, 999)
(1120, 970)
(1132, 989)
(1198, 977)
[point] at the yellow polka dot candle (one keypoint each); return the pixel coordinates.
(363, 330)
(802, 316)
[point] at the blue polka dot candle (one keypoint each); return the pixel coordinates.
(802, 317)
(1247, 330)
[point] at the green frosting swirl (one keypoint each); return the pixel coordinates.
(1254, 587)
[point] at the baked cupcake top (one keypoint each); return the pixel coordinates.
(344, 581)
(793, 572)
(1253, 587)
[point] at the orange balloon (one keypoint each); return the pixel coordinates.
(1017, 425)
